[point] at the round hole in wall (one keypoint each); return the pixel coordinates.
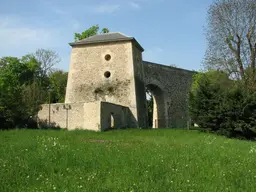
(107, 57)
(107, 74)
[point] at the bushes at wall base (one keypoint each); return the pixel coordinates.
(221, 105)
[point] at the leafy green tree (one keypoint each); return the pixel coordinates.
(24, 85)
(42, 61)
(94, 30)
(12, 78)
(105, 30)
(217, 102)
(58, 83)
(205, 97)
(222, 105)
(33, 97)
(33, 67)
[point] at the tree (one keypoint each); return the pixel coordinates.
(23, 85)
(58, 83)
(205, 97)
(105, 30)
(222, 105)
(46, 59)
(43, 62)
(13, 76)
(33, 66)
(89, 32)
(231, 36)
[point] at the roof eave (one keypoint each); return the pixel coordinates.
(137, 44)
(99, 41)
(110, 41)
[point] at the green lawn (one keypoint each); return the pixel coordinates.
(125, 160)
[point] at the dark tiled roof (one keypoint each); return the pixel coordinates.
(106, 38)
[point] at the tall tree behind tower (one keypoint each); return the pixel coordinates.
(231, 36)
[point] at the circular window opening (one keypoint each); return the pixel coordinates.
(107, 74)
(107, 57)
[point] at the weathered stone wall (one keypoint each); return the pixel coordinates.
(86, 80)
(90, 116)
(174, 84)
(141, 102)
(63, 115)
(123, 117)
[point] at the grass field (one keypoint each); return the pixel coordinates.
(125, 160)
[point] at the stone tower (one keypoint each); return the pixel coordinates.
(108, 67)
(106, 88)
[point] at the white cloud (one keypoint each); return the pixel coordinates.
(134, 5)
(17, 38)
(105, 8)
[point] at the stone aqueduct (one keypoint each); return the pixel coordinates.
(108, 79)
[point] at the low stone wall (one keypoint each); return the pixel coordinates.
(62, 115)
(94, 116)
(116, 115)
(91, 117)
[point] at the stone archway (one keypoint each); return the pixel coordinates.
(112, 121)
(158, 119)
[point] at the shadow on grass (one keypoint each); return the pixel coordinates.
(44, 125)
(249, 135)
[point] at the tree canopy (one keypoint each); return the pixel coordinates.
(219, 104)
(223, 98)
(231, 36)
(94, 30)
(24, 85)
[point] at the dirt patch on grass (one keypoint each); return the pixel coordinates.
(98, 141)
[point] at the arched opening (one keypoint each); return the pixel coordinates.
(156, 107)
(112, 121)
(150, 105)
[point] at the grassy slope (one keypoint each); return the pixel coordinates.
(128, 160)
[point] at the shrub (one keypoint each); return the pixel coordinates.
(222, 105)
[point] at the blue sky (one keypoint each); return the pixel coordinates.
(170, 31)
